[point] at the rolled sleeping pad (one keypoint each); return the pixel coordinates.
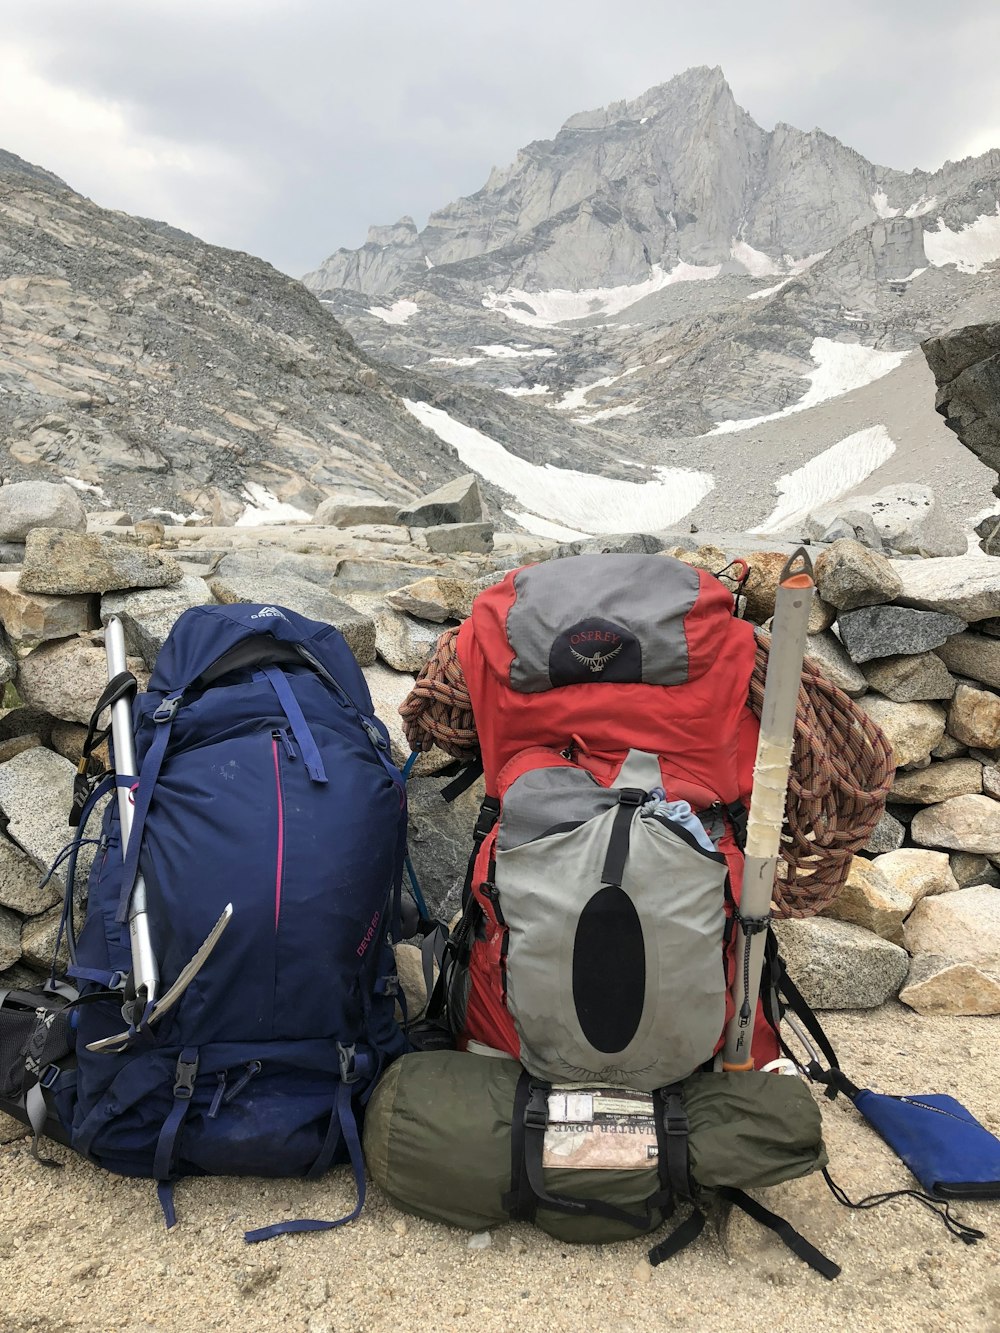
(437, 1140)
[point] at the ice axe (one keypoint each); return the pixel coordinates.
(767, 800)
(143, 1002)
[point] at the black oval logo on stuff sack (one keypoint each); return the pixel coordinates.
(609, 970)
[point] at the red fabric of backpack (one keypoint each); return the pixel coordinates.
(610, 694)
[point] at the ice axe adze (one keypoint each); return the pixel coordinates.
(767, 799)
(143, 1004)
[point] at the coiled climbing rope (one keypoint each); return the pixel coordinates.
(842, 768)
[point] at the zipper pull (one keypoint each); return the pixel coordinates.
(213, 1110)
(254, 1067)
(279, 734)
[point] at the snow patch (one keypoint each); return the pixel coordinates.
(834, 473)
(88, 488)
(977, 244)
(756, 263)
(643, 119)
(428, 261)
(922, 206)
(524, 391)
(768, 291)
(800, 265)
(910, 276)
(398, 313)
(880, 203)
(840, 367)
(561, 495)
(540, 527)
(509, 353)
(625, 410)
(178, 520)
(455, 360)
(265, 507)
(542, 310)
(575, 399)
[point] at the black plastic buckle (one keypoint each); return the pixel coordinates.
(166, 710)
(753, 925)
(346, 1054)
(675, 1120)
(536, 1113)
(631, 796)
(489, 812)
(184, 1077)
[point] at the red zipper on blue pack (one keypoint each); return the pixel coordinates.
(282, 737)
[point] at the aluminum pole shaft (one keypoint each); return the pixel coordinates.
(145, 972)
(768, 797)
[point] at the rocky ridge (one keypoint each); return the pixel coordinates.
(914, 641)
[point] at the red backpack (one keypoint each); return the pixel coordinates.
(610, 695)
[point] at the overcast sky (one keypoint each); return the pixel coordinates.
(286, 127)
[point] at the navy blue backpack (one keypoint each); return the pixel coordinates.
(264, 780)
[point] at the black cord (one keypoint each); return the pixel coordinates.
(964, 1233)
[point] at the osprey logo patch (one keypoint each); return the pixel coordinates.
(599, 660)
(595, 650)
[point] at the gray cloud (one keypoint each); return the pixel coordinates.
(286, 129)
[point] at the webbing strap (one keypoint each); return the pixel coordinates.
(348, 1125)
(689, 1230)
(297, 721)
(468, 775)
(629, 800)
(673, 1141)
(37, 1111)
(166, 1144)
(785, 1232)
(533, 1124)
(151, 765)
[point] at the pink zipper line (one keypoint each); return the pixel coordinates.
(281, 833)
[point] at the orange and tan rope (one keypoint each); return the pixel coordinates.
(842, 768)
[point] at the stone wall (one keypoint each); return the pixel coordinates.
(915, 641)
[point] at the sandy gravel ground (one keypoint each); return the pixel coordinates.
(86, 1251)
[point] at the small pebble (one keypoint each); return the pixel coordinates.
(482, 1240)
(643, 1271)
(401, 1226)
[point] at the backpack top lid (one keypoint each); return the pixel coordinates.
(623, 619)
(204, 634)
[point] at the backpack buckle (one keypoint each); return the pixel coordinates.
(167, 708)
(536, 1113)
(48, 1076)
(349, 1072)
(631, 796)
(184, 1077)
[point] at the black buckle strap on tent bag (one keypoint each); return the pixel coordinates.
(797, 1243)
(528, 1192)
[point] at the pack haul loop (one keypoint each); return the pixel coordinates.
(145, 978)
(767, 799)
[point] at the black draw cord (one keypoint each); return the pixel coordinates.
(943, 1210)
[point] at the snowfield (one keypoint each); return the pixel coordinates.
(756, 263)
(825, 478)
(580, 500)
(544, 309)
(398, 313)
(840, 367)
(265, 507)
(970, 249)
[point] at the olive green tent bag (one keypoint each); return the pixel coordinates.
(471, 1140)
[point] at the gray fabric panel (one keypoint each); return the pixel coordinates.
(544, 797)
(648, 595)
(678, 893)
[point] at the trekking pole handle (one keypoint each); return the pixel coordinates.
(768, 797)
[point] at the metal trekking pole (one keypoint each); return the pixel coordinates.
(767, 800)
(145, 972)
